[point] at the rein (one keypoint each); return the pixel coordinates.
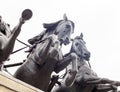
(17, 64)
(89, 64)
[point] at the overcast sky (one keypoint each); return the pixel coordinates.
(98, 20)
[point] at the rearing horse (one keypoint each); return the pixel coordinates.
(86, 79)
(46, 55)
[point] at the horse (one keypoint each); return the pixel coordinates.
(86, 79)
(45, 55)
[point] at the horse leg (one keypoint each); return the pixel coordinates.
(44, 48)
(89, 80)
(112, 82)
(41, 51)
(53, 52)
(105, 88)
(49, 47)
(65, 62)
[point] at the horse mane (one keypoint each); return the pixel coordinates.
(51, 26)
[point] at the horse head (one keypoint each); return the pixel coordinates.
(62, 28)
(79, 47)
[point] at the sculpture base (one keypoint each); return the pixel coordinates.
(11, 84)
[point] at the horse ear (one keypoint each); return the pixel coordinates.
(65, 17)
(81, 35)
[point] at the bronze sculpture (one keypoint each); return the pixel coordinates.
(86, 79)
(46, 55)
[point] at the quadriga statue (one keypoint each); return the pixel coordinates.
(46, 56)
(86, 80)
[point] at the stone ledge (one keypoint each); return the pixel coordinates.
(10, 84)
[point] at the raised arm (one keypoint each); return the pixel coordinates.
(7, 41)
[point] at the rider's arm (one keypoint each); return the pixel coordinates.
(15, 32)
(7, 41)
(3, 40)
